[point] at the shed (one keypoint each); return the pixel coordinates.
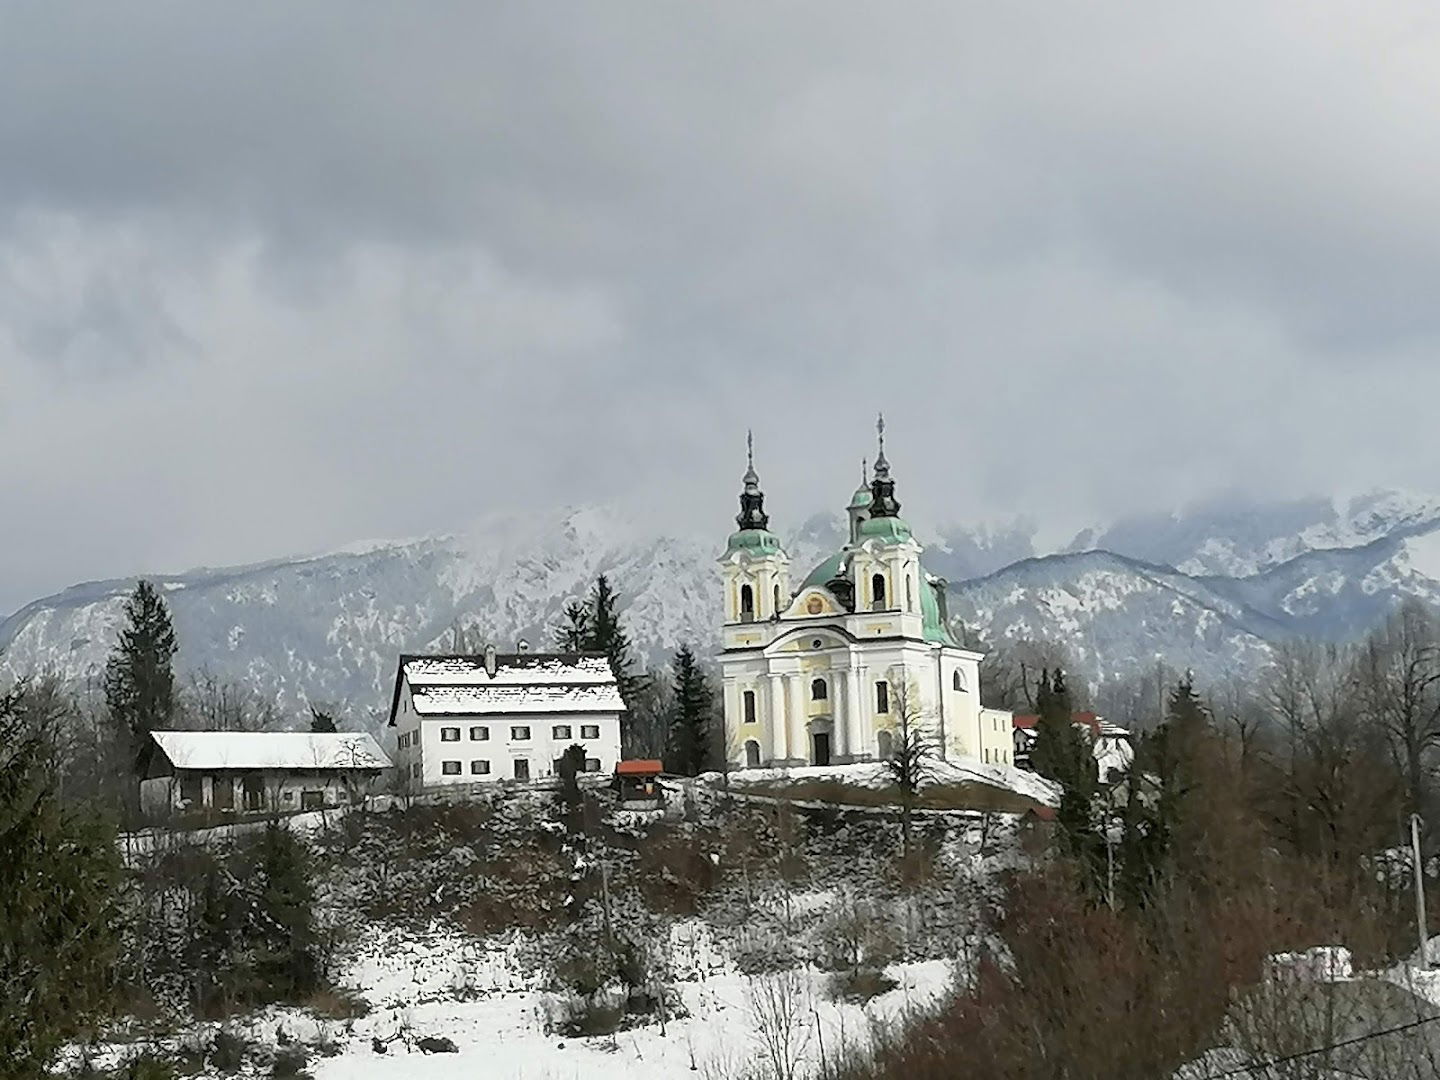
(638, 783)
(257, 771)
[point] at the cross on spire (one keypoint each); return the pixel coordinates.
(882, 488)
(752, 499)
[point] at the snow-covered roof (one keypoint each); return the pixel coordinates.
(513, 668)
(270, 750)
(456, 685)
(478, 700)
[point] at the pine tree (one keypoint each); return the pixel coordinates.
(287, 965)
(139, 678)
(57, 904)
(1058, 745)
(608, 636)
(694, 704)
(573, 634)
(572, 800)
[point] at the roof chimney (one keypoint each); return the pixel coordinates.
(490, 661)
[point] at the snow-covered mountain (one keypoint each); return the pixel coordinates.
(1210, 588)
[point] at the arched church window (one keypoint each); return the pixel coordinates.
(752, 754)
(748, 706)
(818, 690)
(877, 592)
(884, 744)
(909, 593)
(777, 600)
(747, 603)
(959, 681)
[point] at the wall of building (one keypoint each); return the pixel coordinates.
(787, 715)
(423, 760)
(280, 791)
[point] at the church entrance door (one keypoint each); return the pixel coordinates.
(820, 747)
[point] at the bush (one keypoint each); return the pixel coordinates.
(289, 1063)
(228, 1051)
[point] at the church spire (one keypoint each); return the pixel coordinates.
(882, 488)
(752, 500)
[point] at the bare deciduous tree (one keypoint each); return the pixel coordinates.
(913, 752)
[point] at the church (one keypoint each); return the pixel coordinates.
(832, 671)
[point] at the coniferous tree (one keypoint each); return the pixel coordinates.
(572, 800)
(287, 964)
(57, 904)
(690, 720)
(573, 635)
(608, 636)
(139, 677)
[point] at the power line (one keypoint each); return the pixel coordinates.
(1323, 1049)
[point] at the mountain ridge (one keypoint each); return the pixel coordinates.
(328, 626)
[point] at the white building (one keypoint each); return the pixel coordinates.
(257, 771)
(822, 672)
(468, 719)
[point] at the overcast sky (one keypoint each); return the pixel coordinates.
(278, 276)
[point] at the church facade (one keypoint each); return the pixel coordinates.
(835, 669)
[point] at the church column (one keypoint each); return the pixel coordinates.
(855, 711)
(775, 717)
(799, 738)
(730, 719)
(839, 707)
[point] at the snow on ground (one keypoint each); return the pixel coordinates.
(875, 776)
(474, 994)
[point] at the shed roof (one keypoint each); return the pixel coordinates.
(640, 767)
(270, 750)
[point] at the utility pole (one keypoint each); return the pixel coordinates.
(1415, 823)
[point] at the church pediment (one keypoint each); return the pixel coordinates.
(812, 602)
(809, 639)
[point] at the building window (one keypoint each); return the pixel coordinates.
(752, 754)
(589, 731)
(882, 696)
(777, 600)
(522, 769)
(986, 755)
(749, 702)
(519, 734)
(403, 741)
(592, 764)
(480, 768)
(415, 770)
(747, 603)
(479, 734)
(449, 734)
(877, 592)
(909, 593)
(884, 744)
(560, 731)
(450, 768)
(958, 681)
(818, 690)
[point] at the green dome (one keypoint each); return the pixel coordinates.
(893, 529)
(934, 628)
(861, 499)
(826, 571)
(758, 541)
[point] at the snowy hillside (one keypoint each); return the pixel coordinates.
(1237, 537)
(328, 628)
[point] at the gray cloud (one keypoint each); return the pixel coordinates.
(276, 278)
